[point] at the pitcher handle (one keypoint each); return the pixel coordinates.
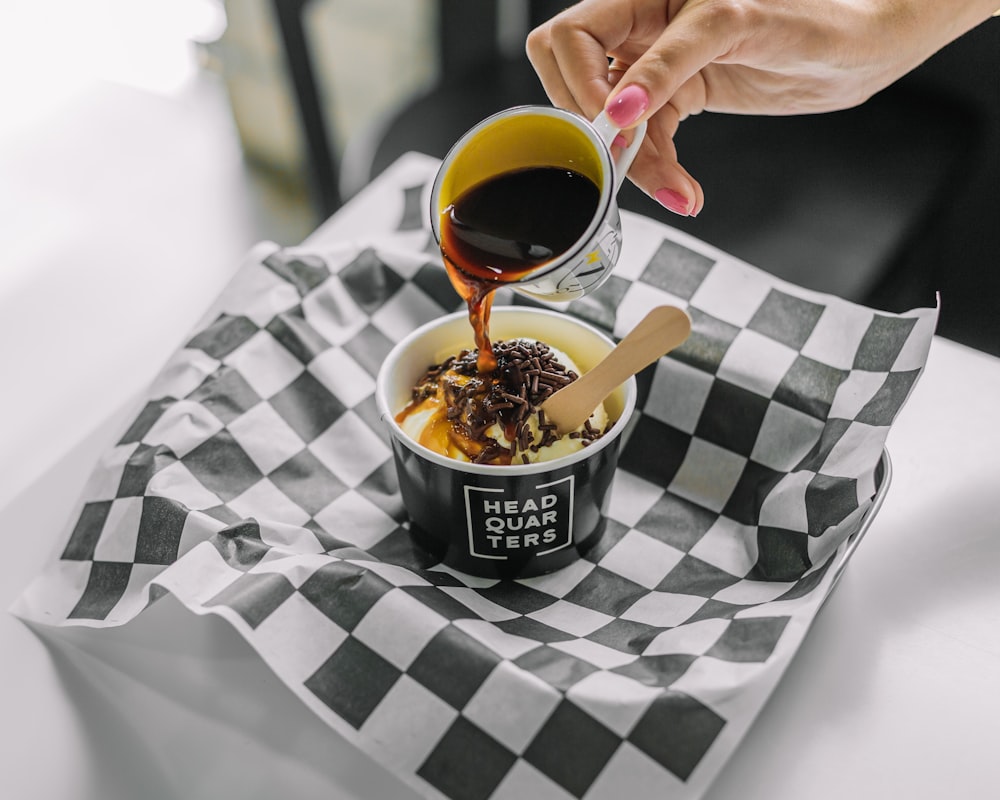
(608, 131)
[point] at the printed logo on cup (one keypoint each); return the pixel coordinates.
(535, 522)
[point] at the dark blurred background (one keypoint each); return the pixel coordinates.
(230, 122)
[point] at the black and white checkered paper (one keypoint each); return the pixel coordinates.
(257, 483)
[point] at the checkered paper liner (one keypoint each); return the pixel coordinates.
(257, 483)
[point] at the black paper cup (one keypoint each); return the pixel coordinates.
(503, 521)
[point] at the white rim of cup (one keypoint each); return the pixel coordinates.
(389, 415)
(608, 190)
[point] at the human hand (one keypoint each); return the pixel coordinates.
(674, 58)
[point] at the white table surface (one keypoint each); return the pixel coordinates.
(894, 692)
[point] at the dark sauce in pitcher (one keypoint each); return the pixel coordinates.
(505, 227)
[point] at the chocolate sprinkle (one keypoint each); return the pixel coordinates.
(527, 374)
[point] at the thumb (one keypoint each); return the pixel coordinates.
(695, 37)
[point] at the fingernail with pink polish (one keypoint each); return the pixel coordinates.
(674, 201)
(620, 141)
(627, 106)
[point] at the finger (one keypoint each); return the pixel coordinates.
(696, 36)
(538, 47)
(691, 97)
(657, 172)
(581, 38)
(616, 70)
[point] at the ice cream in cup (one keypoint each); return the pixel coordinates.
(490, 487)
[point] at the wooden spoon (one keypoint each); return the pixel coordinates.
(659, 332)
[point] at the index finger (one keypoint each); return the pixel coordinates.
(570, 51)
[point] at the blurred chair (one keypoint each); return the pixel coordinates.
(322, 165)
